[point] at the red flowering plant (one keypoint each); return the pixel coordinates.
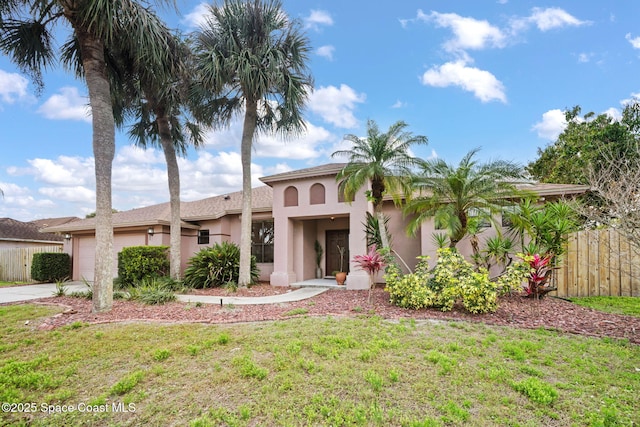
(541, 269)
(372, 263)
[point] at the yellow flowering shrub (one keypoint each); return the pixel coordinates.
(451, 280)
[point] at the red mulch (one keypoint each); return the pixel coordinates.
(514, 311)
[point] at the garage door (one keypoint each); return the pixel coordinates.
(86, 260)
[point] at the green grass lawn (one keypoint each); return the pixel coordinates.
(620, 305)
(312, 371)
(11, 283)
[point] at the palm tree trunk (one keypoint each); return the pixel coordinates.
(173, 173)
(248, 130)
(92, 51)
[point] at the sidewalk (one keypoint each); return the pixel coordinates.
(46, 290)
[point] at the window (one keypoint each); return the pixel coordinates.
(483, 217)
(341, 196)
(507, 212)
(291, 196)
(316, 194)
(203, 237)
(262, 241)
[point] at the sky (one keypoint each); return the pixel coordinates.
(471, 73)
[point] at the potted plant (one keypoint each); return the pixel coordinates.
(319, 253)
(341, 276)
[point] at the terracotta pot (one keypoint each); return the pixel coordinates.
(341, 277)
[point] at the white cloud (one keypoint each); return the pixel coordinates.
(68, 105)
(12, 87)
(585, 57)
(553, 123)
(469, 33)
(614, 113)
(336, 105)
(326, 52)
(63, 171)
(484, 85)
(72, 194)
(305, 146)
(635, 42)
(547, 19)
(318, 18)
(399, 104)
(197, 17)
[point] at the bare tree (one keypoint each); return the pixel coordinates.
(616, 186)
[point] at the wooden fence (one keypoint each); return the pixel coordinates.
(15, 263)
(599, 263)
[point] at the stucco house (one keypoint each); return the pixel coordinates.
(290, 213)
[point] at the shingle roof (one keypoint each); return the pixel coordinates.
(316, 171)
(209, 208)
(11, 229)
(216, 207)
(51, 222)
(262, 201)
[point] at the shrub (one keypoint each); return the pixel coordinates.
(50, 266)
(136, 263)
(217, 266)
(452, 279)
(154, 291)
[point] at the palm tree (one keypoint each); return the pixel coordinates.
(158, 103)
(381, 160)
(451, 194)
(27, 29)
(253, 57)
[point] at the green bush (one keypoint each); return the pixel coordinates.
(50, 266)
(136, 263)
(452, 280)
(217, 266)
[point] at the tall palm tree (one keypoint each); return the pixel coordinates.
(158, 102)
(27, 29)
(253, 58)
(450, 194)
(383, 160)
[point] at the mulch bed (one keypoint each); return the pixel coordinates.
(514, 311)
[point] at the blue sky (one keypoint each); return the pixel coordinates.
(474, 73)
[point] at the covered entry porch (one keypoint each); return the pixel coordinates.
(295, 260)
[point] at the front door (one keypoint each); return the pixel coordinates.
(337, 239)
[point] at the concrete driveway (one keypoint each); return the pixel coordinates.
(29, 292)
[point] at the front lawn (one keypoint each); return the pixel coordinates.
(311, 371)
(620, 305)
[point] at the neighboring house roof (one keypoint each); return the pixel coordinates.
(209, 208)
(556, 190)
(11, 229)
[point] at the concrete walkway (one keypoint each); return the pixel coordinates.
(296, 295)
(46, 290)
